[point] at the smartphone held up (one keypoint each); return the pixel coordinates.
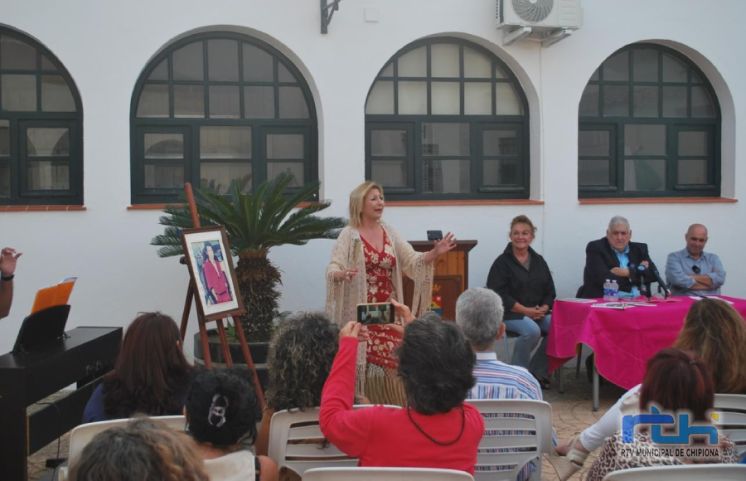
(375, 313)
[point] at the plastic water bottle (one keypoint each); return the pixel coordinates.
(614, 290)
(607, 290)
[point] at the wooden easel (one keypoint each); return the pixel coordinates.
(191, 292)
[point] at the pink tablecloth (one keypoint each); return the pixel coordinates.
(623, 340)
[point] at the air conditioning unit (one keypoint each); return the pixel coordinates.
(540, 14)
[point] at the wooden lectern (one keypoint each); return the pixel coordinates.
(451, 275)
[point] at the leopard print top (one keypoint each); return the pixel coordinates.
(642, 452)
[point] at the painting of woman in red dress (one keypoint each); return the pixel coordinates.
(216, 281)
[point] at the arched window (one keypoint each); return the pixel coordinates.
(446, 119)
(649, 126)
(216, 108)
(41, 126)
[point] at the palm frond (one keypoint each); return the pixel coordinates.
(256, 221)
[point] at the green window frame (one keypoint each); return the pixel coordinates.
(41, 126)
(649, 126)
(219, 107)
(447, 119)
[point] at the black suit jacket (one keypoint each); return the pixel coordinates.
(600, 259)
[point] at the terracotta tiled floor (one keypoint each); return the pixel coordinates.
(571, 412)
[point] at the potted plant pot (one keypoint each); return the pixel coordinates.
(259, 351)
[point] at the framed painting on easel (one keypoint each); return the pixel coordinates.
(210, 264)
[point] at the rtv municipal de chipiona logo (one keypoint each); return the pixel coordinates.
(672, 434)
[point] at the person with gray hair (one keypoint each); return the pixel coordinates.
(479, 314)
(612, 257)
(142, 450)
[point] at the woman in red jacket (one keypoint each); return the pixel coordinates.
(436, 429)
(215, 278)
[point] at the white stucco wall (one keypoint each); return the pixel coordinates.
(105, 46)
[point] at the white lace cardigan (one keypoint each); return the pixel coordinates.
(342, 297)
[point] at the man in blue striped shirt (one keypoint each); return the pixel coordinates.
(479, 313)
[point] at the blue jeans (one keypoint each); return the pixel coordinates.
(530, 333)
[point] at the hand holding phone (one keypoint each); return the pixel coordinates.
(403, 312)
(375, 313)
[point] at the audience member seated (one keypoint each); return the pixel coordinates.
(143, 450)
(150, 375)
(479, 313)
(221, 411)
(675, 380)
(436, 429)
(614, 257)
(300, 358)
(692, 271)
(717, 333)
(713, 330)
(522, 279)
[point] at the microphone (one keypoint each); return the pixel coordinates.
(639, 273)
(642, 279)
(636, 274)
(661, 285)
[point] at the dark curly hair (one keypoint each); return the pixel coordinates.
(300, 359)
(221, 407)
(435, 364)
(151, 373)
(142, 450)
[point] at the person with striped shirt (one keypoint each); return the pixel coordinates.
(479, 313)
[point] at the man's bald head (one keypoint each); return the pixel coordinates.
(696, 238)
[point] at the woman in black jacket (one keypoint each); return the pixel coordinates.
(522, 279)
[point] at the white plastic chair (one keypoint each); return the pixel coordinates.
(385, 474)
(297, 443)
(689, 472)
(730, 417)
(82, 434)
(515, 433)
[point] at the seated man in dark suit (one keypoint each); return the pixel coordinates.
(612, 257)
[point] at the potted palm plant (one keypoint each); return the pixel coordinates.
(254, 222)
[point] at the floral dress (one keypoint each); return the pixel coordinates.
(379, 266)
(382, 385)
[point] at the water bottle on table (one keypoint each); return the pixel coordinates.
(614, 290)
(607, 290)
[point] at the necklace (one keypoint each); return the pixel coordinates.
(440, 443)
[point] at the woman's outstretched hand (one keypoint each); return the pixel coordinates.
(440, 247)
(444, 245)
